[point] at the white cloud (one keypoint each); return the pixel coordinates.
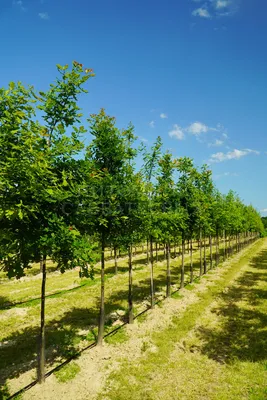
(219, 4)
(163, 116)
(217, 143)
(142, 139)
(201, 12)
(225, 174)
(264, 210)
(19, 3)
(177, 132)
(197, 128)
(152, 124)
(231, 155)
(44, 15)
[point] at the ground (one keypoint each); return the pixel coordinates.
(209, 341)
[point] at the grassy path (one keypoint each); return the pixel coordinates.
(207, 343)
(72, 315)
(218, 350)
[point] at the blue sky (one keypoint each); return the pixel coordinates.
(192, 71)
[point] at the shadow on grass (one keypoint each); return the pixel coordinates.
(63, 335)
(242, 332)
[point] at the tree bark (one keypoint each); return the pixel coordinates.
(210, 252)
(191, 261)
(205, 261)
(157, 257)
(116, 260)
(147, 251)
(101, 323)
(152, 300)
(217, 249)
(200, 251)
(130, 298)
(41, 361)
(168, 285)
(182, 263)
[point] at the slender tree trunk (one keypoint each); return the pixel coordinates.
(147, 251)
(157, 257)
(152, 299)
(41, 360)
(200, 251)
(210, 252)
(116, 260)
(142, 248)
(217, 249)
(205, 261)
(182, 263)
(130, 298)
(168, 286)
(101, 324)
(175, 255)
(191, 261)
(224, 246)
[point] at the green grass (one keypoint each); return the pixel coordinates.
(118, 337)
(72, 314)
(67, 373)
(223, 345)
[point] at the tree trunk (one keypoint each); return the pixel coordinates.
(182, 263)
(116, 260)
(130, 298)
(217, 249)
(157, 257)
(152, 300)
(210, 252)
(168, 287)
(200, 251)
(175, 255)
(101, 323)
(147, 252)
(41, 361)
(205, 261)
(224, 246)
(191, 261)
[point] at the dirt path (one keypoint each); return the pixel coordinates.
(208, 344)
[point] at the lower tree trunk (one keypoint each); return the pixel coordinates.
(168, 286)
(224, 246)
(182, 264)
(130, 298)
(152, 300)
(205, 261)
(210, 252)
(200, 252)
(101, 323)
(175, 255)
(191, 261)
(217, 249)
(147, 251)
(41, 360)
(116, 260)
(157, 257)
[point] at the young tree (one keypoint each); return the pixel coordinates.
(37, 162)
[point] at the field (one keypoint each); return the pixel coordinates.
(209, 337)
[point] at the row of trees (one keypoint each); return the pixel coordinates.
(62, 201)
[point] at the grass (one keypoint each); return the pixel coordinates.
(68, 372)
(71, 314)
(216, 350)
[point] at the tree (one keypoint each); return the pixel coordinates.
(37, 164)
(108, 160)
